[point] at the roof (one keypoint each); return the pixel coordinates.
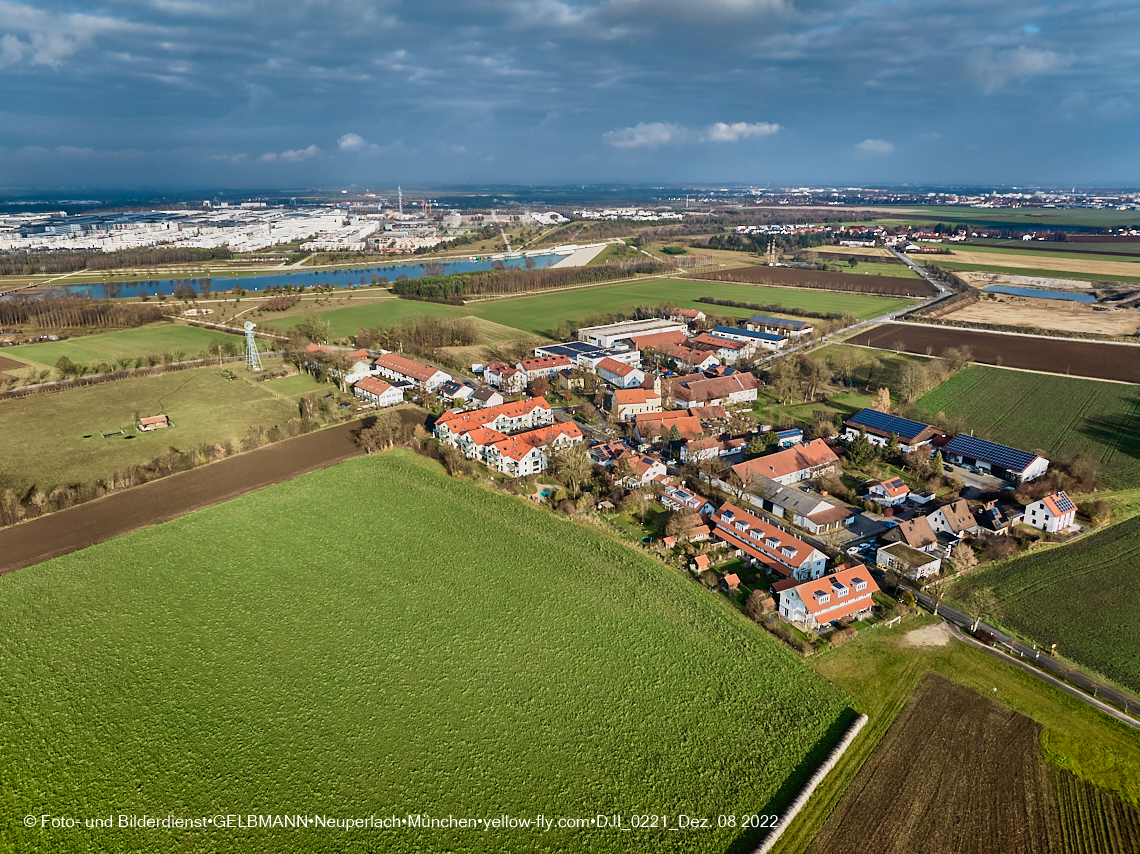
(998, 455)
(958, 516)
(719, 342)
(718, 387)
(372, 385)
(701, 412)
(518, 446)
(613, 366)
(760, 538)
(457, 422)
(779, 322)
(483, 436)
(880, 422)
(701, 560)
(608, 452)
(822, 595)
(732, 580)
(907, 554)
(702, 444)
(407, 367)
(543, 363)
(782, 463)
(1058, 503)
(894, 487)
(486, 393)
(689, 427)
(630, 396)
(500, 368)
(916, 532)
(153, 419)
(808, 504)
(657, 340)
(747, 333)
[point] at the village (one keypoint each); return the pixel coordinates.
(664, 444)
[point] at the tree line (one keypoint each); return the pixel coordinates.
(76, 311)
(796, 312)
(32, 263)
(456, 286)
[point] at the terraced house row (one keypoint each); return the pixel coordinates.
(512, 438)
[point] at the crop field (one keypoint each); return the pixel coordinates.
(1125, 253)
(1040, 270)
(1044, 218)
(284, 652)
(54, 439)
(1093, 821)
(1062, 416)
(1084, 597)
(955, 772)
(851, 282)
(1093, 359)
(123, 343)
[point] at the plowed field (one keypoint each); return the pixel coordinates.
(1119, 362)
(792, 277)
(955, 774)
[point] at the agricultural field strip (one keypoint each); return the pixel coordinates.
(904, 322)
(1075, 571)
(1041, 272)
(1114, 826)
(1074, 255)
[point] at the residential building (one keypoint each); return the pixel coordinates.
(487, 397)
(543, 366)
(588, 355)
(880, 426)
(915, 532)
(676, 498)
(455, 391)
(766, 545)
(910, 562)
(992, 518)
(698, 390)
(728, 350)
(619, 374)
(525, 453)
(504, 377)
(657, 340)
(787, 438)
(698, 450)
(648, 427)
(607, 453)
(642, 469)
(629, 403)
(991, 458)
(808, 461)
(397, 367)
(805, 509)
(377, 392)
(1053, 514)
(688, 315)
(821, 602)
(689, 358)
(889, 493)
(954, 519)
(506, 418)
(779, 326)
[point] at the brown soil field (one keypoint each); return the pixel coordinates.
(869, 251)
(955, 774)
(1050, 314)
(794, 277)
(7, 364)
(1094, 359)
(120, 513)
(1072, 265)
(980, 279)
(1094, 821)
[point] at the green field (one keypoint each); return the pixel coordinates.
(108, 346)
(1046, 218)
(1077, 251)
(870, 268)
(1084, 597)
(1062, 416)
(319, 647)
(58, 435)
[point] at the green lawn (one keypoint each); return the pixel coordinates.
(876, 368)
(108, 346)
(298, 385)
(321, 647)
(1062, 416)
(870, 268)
(59, 439)
(1045, 218)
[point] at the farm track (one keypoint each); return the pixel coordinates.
(140, 507)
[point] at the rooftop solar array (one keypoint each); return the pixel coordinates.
(779, 322)
(872, 419)
(729, 330)
(994, 454)
(1063, 502)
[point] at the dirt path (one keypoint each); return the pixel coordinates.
(162, 500)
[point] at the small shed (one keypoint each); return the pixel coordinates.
(700, 563)
(153, 422)
(732, 581)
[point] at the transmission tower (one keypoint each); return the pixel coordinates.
(252, 357)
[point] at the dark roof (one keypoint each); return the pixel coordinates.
(747, 333)
(778, 322)
(997, 455)
(872, 419)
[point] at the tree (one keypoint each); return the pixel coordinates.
(758, 605)
(674, 434)
(937, 464)
(893, 452)
(679, 524)
(755, 448)
(859, 451)
(572, 465)
(962, 558)
(882, 400)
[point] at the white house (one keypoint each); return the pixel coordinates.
(954, 519)
(643, 470)
(487, 397)
(397, 367)
(889, 493)
(544, 366)
(619, 374)
(1053, 514)
(779, 326)
(377, 392)
(505, 377)
(629, 403)
(525, 453)
(676, 498)
(822, 601)
(766, 545)
(506, 418)
(913, 563)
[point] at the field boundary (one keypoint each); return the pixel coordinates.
(1021, 334)
(817, 778)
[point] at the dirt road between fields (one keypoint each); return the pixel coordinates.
(162, 500)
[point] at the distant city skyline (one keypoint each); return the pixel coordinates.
(152, 93)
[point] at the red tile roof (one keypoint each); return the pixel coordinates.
(630, 396)
(372, 385)
(834, 606)
(713, 389)
(894, 487)
(543, 363)
(1059, 504)
(761, 545)
(457, 422)
(782, 463)
(407, 367)
(657, 340)
(615, 367)
(518, 446)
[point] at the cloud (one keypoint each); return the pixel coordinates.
(351, 142)
(875, 146)
(655, 134)
(721, 132)
(294, 156)
(11, 50)
(994, 68)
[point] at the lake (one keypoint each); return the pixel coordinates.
(1040, 293)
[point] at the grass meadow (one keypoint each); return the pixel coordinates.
(378, 639)
(55, 439)
(1062, 416)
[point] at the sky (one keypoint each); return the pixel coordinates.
(333, 93)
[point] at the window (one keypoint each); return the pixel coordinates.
(741, 526)
(772, 543)
(788, 551)
(859, 584)
(822, 598)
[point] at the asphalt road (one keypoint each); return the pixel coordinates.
(1034, 661)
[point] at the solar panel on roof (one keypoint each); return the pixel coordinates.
(1063, 502)
(872, 419)
(990, 452)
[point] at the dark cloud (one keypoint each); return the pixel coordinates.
(256, 91)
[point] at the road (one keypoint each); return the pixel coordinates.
(1034, 661)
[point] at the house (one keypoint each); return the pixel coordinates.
(806, 509)
(732, 582)
(642, 470)
(354, 364)
(728, 350)
(916, 533)
(991, 458)
(992, 518)
(700, 534)
(525, 453)
(657, 340)
(397, 367)
(154, 422)
(697, 450)
(800, 462)
(377, 392)
(676, 498)
(689, 358)
(779, 326)
(588, 355)
(889, 493)
(543, 366)
(759, 340)
(607, 453)
(880, 426)
(907, 561)
(475, 442)
(629, 403)
(954, 519)
(455, 391)
(922, 497)
(688, 315)
(652, 424)
(487, 397)
(766, 545)
(506, 418)
(820, 602)
(787, 438)
(619, 374)
(1053, 514)
(504, 377)
(699, 390)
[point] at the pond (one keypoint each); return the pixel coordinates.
(1040, 293)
